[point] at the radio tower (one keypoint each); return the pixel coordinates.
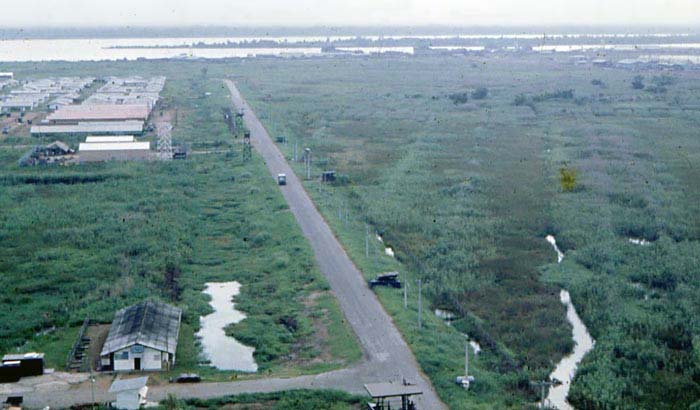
(165, 142)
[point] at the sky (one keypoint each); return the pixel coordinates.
(19, 13)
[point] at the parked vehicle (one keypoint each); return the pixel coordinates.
(390, 279)
(186, 378)
(282, 179)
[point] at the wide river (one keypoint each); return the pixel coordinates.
(118, 48)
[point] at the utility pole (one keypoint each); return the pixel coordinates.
(92, 385)
(247, 149)
(366, 241)
(466, 359)
(543, 384)
(295, 150)
(405, 296)
(420, 306)
(308, 163)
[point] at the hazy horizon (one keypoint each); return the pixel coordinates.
(310, 13)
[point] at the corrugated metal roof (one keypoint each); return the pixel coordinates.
(60, 145)
(128, 384)
(377, 390)
(89, 128)
(22, 356)
(99, 112)
(149, 323)
(114, 146)
(110, 138)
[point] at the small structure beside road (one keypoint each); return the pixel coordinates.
(142, 337)
(388, 396)
(131, 393)
(16, 366)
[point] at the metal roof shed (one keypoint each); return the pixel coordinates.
(114, 146)
(91, 128)
(79, 113)
(140, 330)
(110, 138)
(150, 323)
(384, 392)
(131, 393)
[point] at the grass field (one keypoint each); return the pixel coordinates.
(293, 400)
(86, 240)
(466, 191)
(463, 185)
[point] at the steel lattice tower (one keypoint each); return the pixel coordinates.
(165, 142)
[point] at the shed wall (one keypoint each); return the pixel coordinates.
(130, 155)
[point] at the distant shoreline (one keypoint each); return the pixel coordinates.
(27, 32)
(524, 41)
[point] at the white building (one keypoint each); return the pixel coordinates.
(142, 337)
(131, 393)
(114, 148)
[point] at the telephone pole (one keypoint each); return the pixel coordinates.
(543, 384)
(366, 241)
(420, 306)
(405, 296)
(247, 147)
(466, 359)
(308, 162)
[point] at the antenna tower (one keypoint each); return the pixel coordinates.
(165, 141)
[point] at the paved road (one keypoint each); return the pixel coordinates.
(387, 357)
(387, 354)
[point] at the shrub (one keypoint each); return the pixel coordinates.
(480, 93)
(568, 179)
(520, 99)
(459, 98)
(638, 82)
(663, 80)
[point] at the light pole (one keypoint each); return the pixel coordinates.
(420, 306)
(308, 163)
(92, 385)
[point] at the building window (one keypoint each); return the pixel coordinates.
(156, 357)
(123, 355)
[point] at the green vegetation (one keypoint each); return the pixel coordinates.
(465, 195)
(638, 82)
(568, 179)
(480, 93)
(86, 240)
(459, 98)
(291, 400)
